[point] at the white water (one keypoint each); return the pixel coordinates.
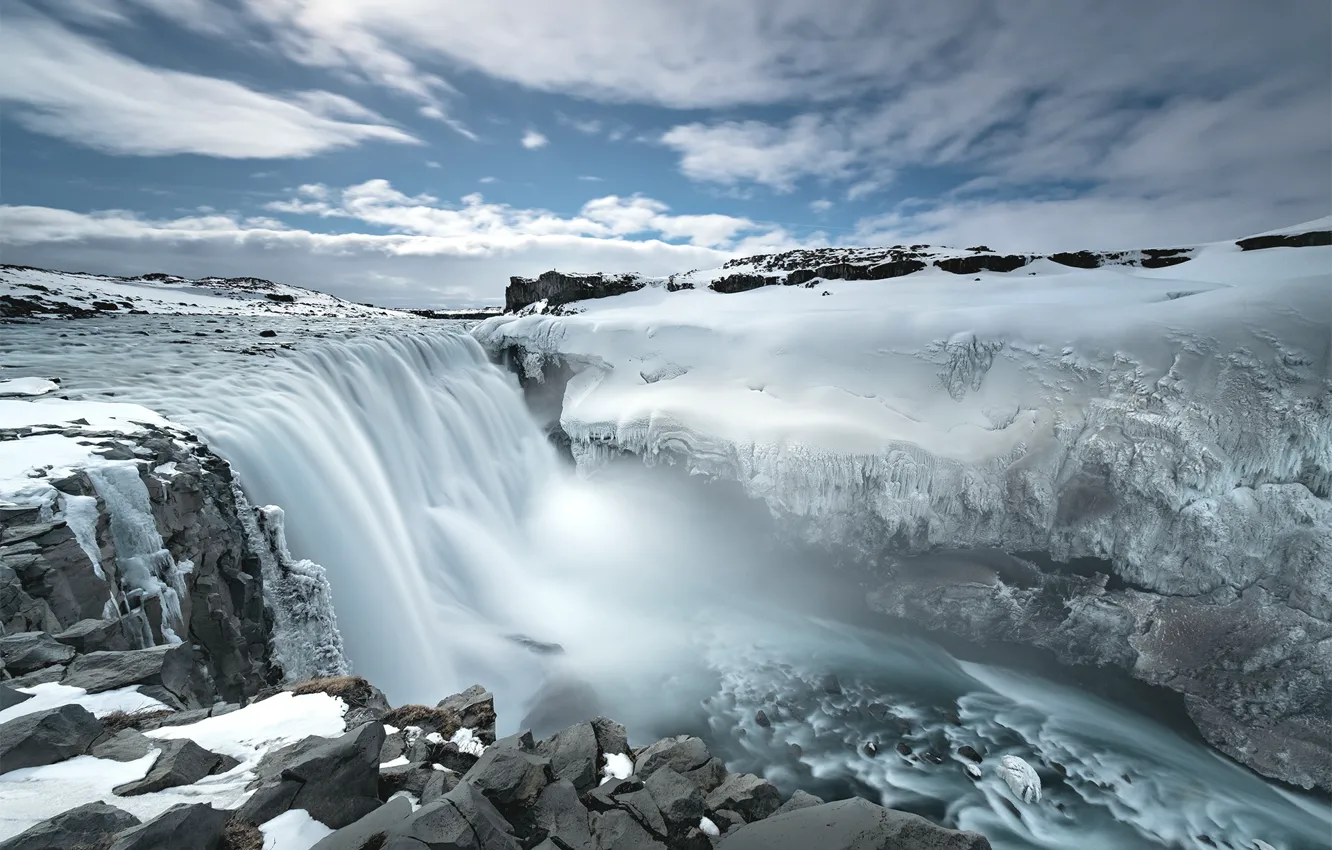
(409, 469)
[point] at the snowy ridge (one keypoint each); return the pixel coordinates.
(34, 292)
(1175, 422)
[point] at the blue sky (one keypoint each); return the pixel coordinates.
(417, 152)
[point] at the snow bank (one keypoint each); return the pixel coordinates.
(54, 695)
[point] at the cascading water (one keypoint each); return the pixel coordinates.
(410, 470)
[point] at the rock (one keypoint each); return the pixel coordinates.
(854, 824)
(761, 718)
(125, 745)
(727, 820)
(439, 783)
(903, 748)
(1021, 777)
(687, 756)
(679, 800)
(462, 819)
(602, 798)
(89, 825)
(411, 777)
(182, 762)
(43, 676)
(511, 777)
(46, 737)
(830, 684)
(92, 635)
(475, 708)
(395, 745)
(870, 748)
(973, 771)
(268, 333)
(967, 751)
(556, 288)
(747, 795)
(354, 836)
(166, 666)
(573, 755)
(337, 778)
(559, 814)
(617, 830)
(799, 800)
(28, 651)
(611, 736)
(9, 697)
(269, 801)
(185, 827)
(640, 804)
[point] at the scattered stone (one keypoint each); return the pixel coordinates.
(871, 748)
(969, 752)
(268, 333)
(89, 825)
(761, 718)
(26, 652)
(185, 827)
(1021, 777)
(46, 737)
(903, 748)
(747, 795)
(166, 666)
(354, 836)
(854, 824)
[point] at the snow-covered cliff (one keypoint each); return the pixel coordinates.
(1172, 421)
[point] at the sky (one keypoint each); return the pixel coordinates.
(419, 152)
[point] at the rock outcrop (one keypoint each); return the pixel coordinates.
(557, 288)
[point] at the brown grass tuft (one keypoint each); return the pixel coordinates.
(240, 834)
(353, 690)
(119, 720)
(439, 720)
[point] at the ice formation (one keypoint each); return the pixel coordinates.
(1021, 778)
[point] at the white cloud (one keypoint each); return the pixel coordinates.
(822, 205)
(734, 151)
(65, 85)
(590, 178)
(589, 126)
(533, 140)
(430, 163)
(486, 180)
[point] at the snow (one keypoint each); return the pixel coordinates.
(708, 827)
(1021, 777)
(247, 733)
(971, 410)
(27, 386)
(400, 761)
(33, 794)
(618, 766)
(54, 695)
(468, 742)
(61, 292)
(293, 830)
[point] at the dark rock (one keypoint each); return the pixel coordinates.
(603, 797)
(903, 748)
(395, 745)
(799, 800)
(92, 635)
(28, 651)
(559, 814)
(124, 745)
(46, 737)
(830, 685)
(761, 718)
(1078, 259)
(185, 827)
(44, 676)
(612, 737)
(982, 262)
(1286, 240)
(439, 783)
(462, 819)
(166, 666)
(679, 800)
(746, 794)
(182, 762)
(338, 777)
(354, 836)
(969, 752)
(617, 830)
(682, 753)
(854, 824)
(511, 778)
(268, 333)
(870, 748)
(411, 777)
(573, 755)
(475, 708)
(9, 696)
(727, 820)
(89, 825)
(269, 801)
(556, 288)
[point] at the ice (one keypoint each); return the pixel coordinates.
(27, 386)
(1021, 778)
(81, 515)
(293, 830)
(54, 695)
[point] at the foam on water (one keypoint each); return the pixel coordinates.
(410, 470)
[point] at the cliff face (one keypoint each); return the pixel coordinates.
(556, 288)
(142, 546)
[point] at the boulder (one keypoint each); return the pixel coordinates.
(573, 755)
(854, 824)
(92, 635)
(475, 708)
(617, 830)
(687, 756)
(10, 697)
(46, 737)
(679, 800)
(410, 777)
(354, 836)
(185, 827)
(182, 762)
(559, 814)
(799, 800)
(439, 783)
(462, 819)
(612, 737)
(168, 667)
(125, 745)
(747, 795)
(336, 780)
(28, 651)
(44, 676)
(89, 825)
(510, 775)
